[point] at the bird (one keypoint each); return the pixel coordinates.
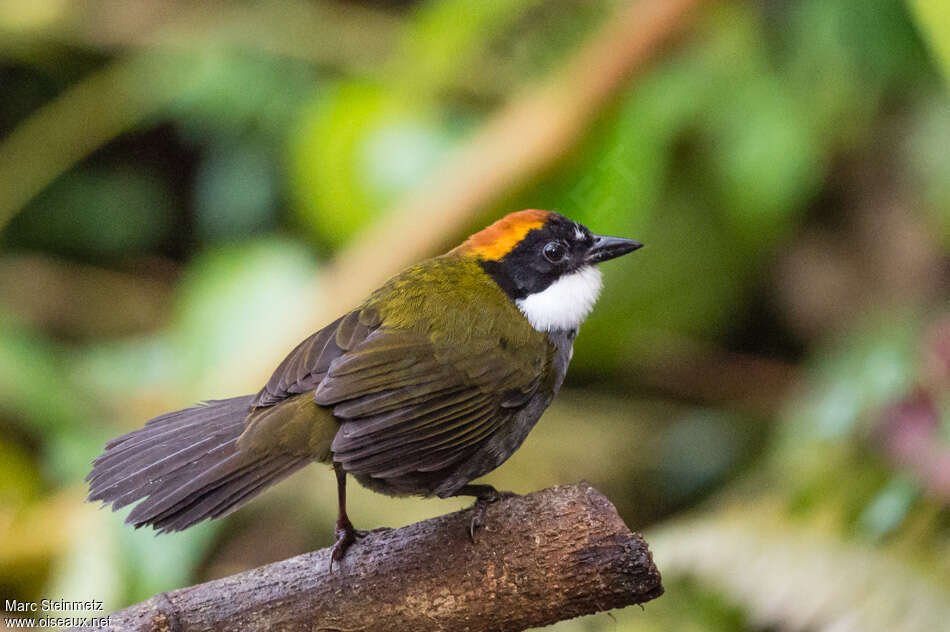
(432, 382)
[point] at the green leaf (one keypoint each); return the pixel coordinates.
(888, 509)
(236, 191)
(766, 157)
(19, 480)
(69, 216)
(933, 19)
(929, 160)
(446, 36)
(232, 294)
(359, 147)
(34, 389)
(872, 365)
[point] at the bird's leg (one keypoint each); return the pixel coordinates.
(345, 533)
(484, 495)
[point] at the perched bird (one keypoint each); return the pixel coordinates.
(435, 380)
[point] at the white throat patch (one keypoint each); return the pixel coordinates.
(564, 304)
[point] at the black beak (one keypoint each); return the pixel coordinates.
(605, 248)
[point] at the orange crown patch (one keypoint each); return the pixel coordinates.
(496, 241)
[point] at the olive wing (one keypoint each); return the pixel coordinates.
(410, 403)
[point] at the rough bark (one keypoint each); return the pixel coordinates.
(552, 555)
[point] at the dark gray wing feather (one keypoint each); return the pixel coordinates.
(410, 405)
(305, 367)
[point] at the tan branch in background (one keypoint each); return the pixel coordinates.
(523, 139)
(549, 556)
(519, 142)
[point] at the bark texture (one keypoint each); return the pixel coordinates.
(551, 555)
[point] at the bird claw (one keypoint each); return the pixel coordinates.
(480, 509)
(344, 539)
(346, 536)
(477, 522)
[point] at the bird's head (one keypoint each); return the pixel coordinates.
(546, 263)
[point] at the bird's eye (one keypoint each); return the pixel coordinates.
(554, 251)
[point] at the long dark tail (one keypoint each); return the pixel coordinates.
(187, 467)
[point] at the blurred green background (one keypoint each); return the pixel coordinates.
(764, 389)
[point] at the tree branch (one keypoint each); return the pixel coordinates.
(525, 137)
(549, 556)
(520, 141)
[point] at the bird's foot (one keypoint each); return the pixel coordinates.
(346, 535)
(481, 507)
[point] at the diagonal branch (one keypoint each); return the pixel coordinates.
(524, 138)
(549, 556)
(527, 136)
